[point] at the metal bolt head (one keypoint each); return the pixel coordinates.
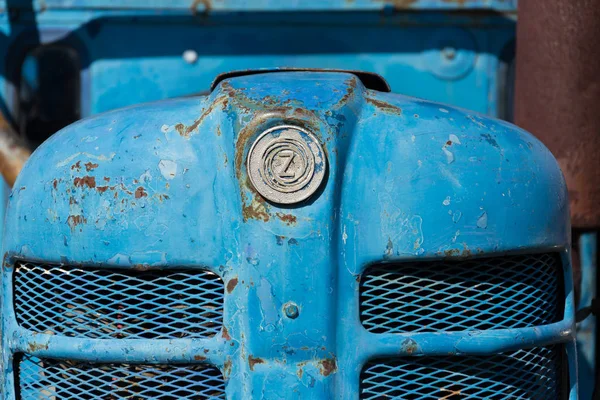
(291, 310)
(286, 164)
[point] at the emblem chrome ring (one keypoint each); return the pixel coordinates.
(286, 164)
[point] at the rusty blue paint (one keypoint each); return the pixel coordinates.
(164, 185)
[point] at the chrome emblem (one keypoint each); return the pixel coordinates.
(286, 164)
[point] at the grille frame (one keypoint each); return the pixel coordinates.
(468, 376)
(91, 380)
(391, 323)
(144, 323)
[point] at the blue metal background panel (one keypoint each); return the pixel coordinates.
(408, 180)
(128, 57)
(264, 5)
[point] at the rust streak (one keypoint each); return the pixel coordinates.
(199, 358)
(384, 106)
(287, 218)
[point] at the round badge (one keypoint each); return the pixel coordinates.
(286, 164)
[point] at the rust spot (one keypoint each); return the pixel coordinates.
(141, 267)
(76, 166)
(300, 372)
(218, 131)
(226, 334)
(449, 143)
(88, 181)
(107, 179)
(102, 189)
(75, 220)
(33, 347)
(199, 358)
(232, 284)
(287, 218)
(384, 106)
(457, 253)
(90, 166)
(328, 366)
(206, 351)
(252, 361)
(227, 368)
(186, 131)
(55, 183)
(255, 210)
(140, 192)
(409, 346)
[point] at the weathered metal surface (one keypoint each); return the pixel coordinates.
(408, 180)
(558, 91)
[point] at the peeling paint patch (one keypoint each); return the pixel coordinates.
(482, 221)
(446, 201)
(409, 346)
(168, 169)
(328, 366)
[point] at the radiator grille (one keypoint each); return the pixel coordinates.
(492, 293)
(116, 303)
(46, 379)
(523, 375)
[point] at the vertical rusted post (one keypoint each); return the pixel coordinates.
(557, 97)
(557, 93)
(13, 152)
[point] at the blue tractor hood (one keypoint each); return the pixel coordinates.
(165, 185)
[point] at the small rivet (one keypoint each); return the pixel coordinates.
(291, 310)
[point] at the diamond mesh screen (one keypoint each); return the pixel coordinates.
(492, 293)
(116, 303)
(62, 380)
(522, 375)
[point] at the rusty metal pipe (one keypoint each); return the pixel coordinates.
(557, 93)
(13, 152)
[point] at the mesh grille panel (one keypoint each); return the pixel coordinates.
(493, 293)
(112, 303)
(62, 380)
(522, 375)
